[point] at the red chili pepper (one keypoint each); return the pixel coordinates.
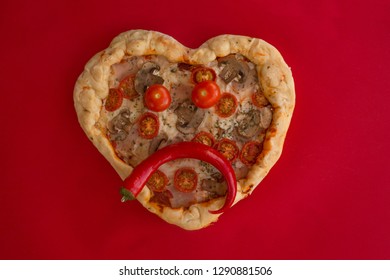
(142, 172)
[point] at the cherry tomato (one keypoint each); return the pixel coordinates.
(228, 149)
(158, 181)
(114, 100)
(250, 152)
(157, 98)
(204, 138)
(148, 126)
(126, 87)
(259, 99)
(227, 105)
(202, 74)
(185, 180)
(206, 94)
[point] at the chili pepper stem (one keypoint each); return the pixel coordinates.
(126, 195)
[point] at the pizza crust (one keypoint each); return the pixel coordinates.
(274, 75)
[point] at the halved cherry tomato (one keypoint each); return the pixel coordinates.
(259, 99)
(158, 181)
(114, 100)
(227, 105)
(204, 138)
(202, 74)
(148, 126)
(206, 94)
(126, 86)
(157, 98)
(228, 148)
(250, 152)
(185, 180)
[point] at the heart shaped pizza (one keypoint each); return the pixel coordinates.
(190, 131)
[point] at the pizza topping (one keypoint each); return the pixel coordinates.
(145, 77)
(189, 117)
(249, 123)
(206, 94)
(157, 98)
(118, 126)
(162, 198)
(148, 126)
(157, 181)
(233, 68)
(157, 142)
(126, 87)
(227, 105)
(250, 152)
(202, 74)
(114, 100)
(241, 115)
(185, 180)
(204, 138)
(121, 121)
(118, 136)
(228, 148)
(214, 187)
(185, 111)
(259, 99)
(142, 172)
(185, 66)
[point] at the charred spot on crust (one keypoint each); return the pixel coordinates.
(247, 189)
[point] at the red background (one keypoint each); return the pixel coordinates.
(327, 198)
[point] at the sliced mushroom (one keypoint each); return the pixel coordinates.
(125, 113)
(189, 117)
(233, 68)
(251, 81)
(212, 186)
(253, 122)
(185, 111)
(157, 142)
(118, 136)
(145, 77)
(118, 126)
(121, 122)
(249, 125)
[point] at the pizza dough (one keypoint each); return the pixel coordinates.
(134, 51)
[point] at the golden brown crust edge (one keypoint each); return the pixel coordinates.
(274, 74)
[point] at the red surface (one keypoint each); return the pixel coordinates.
(327, 198)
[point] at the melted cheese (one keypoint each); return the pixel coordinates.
(133, 149)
